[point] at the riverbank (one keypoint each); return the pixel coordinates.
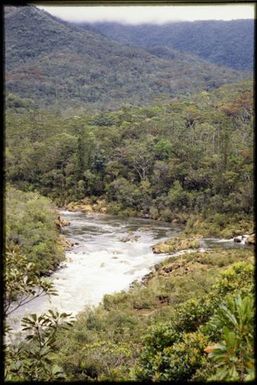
(237, 229)
(190, 239)
(184, 242)
(102, 206)
(220, 225)
(30, 224)
(109, 336)
(136, 323)
(196, 226)
(88, 205)
(177, 290)
(215, 224)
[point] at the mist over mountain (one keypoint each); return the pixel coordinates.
(50, 62)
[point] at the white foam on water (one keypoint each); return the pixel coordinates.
(100, 264)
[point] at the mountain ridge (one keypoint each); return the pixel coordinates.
(55, 63)
(214, 40)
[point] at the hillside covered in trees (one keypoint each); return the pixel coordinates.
(227, 43)
(51, 63)
(132, 121)
(190, 155)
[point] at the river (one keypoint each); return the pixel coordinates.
(109, 254)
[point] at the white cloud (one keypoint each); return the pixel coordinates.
(152, 14)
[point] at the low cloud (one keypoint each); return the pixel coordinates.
(151, 14)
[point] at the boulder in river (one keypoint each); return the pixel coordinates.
(86, 208)
(65, 243)
(160, 248)
(130, 238)
(239, 239)
(64, 222)
(61, 222)
(250, 239)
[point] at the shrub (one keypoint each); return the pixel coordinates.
(176, 362)
(30, 223)
(233, 355)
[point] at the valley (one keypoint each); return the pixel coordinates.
(129, 196)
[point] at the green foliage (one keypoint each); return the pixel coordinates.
(167, 161)
(103, 361)
(189, 156)
(237, 276)
(18, 104)
(35, 360)
(156, 331)
(219, 225)
(193, 313)
(177, 350)
(30, 224)
(22, 283)
(160, 336)
(177, 197)
(176, 362)
(233, 355)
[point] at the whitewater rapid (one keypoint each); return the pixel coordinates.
(109, 253)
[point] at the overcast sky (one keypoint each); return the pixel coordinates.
(152, 14)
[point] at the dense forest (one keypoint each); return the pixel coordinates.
(162, 131)
(193, 154)
(51, 66)
(227, 43)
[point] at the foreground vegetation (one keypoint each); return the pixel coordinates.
(191, 319)
(30, 227)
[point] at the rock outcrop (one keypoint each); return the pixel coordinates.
(130, 238)
(176, 244)
(247, 239)
(65, 243)
(240, 239)
(87, 206)
(250, 240)
(61, 222)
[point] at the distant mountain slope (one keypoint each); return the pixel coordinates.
(228, 43)
(53, 62)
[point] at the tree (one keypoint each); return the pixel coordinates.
(22, 283)
(33, 360)
(138, 156)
